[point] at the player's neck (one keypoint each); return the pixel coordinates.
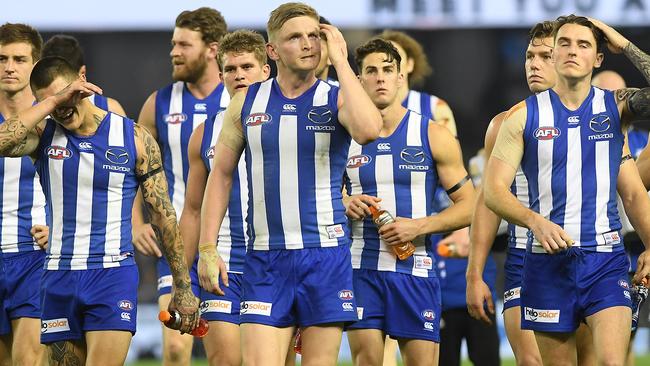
(91, 117)
(206, 84)
(12, 103)
(391, 116)
(293, 84)
(323, 75)
(403, 91)
(573, 92)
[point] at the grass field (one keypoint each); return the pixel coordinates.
(640, 360)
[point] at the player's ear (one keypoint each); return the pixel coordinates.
(410, 65)
(213, 48)
(82, 71)
(266, 70)
(270, 50)
(599, 59)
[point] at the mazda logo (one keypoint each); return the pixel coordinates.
(413, 155)
(117, 155)
(599, 123)
(320, 115)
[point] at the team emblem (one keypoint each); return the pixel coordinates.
(117, 155)
(358, 161)
(175, 118)
(320, 115)
(257, 119)
(412, 155)
(546, 133)
(58, 152)
(600, 123)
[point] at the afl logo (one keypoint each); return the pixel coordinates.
(58, 152)
(125, 305)
(320, 115)
(599, 123)
(117, 155)
(257, 119)
(428, 314)
(346, 295)
(546, 133)
(413, 155)
(209, 153)
(358, 161)
(175, 118)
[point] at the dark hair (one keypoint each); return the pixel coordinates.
(66, 47)
(377, 45)
(543, 29)
(243, 40)
(599, 36)
(421, 67)
(18, 32)
(209, 22)
(48, 69)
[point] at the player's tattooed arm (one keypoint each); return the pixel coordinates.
(163, 219)
(16, 139)
(636, 102)
(640, 59)
(63, 354)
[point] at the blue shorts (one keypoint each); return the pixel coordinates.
(5, 323)
(559, 291)
(402, 305)
(165, 277)
(514, 269)
(223, 308)
(75, 302)
(301, 287)
(23, 273)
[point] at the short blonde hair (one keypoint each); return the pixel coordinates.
(243, 40)
(287, 11)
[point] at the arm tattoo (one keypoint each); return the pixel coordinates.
(62, 354)
(639, 103)
(163, 216)
(13, 137)
(640, 59)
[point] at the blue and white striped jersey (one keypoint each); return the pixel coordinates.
(22, 204)
(519, 237)
(296, 151)
(637, 140)
(400, 170)
(178, 113)
(422, 103)
(571, 160)
(99, 101)
(232, 234)
(90, 184)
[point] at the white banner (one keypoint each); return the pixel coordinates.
(422, 14)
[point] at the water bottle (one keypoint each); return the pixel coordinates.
(383, 217)
(638, 294)
(172, 320)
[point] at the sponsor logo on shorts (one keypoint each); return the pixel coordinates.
(358, 161)
(624, 284)
(359, 312)
(428, 326)
(546, 133)
(165, 281)
(125, 305)
(54, 325)
(175, 118)
(612, 238)
(335, 231)
(257, 119)
(422, 262)
(58, 152)
(125, 316)
(347, 306)
(216, 306)
(346, 295)
(256, 308)
(541, 315)
(626, 293)
(428, 314)
(209, 153)
(512, 294)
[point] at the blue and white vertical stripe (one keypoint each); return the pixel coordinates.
(422, 103)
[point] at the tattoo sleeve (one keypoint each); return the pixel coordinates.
(640, 59)
(13, 138)
(156, 200)
(639, 103)
(63, 354)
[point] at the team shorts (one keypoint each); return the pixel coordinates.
(402, 305)
(559, 291)
(302, 287)
(165, 279)
(79, 301)
(223, 308)
(5, 326)
(513, 268)
(23, 273)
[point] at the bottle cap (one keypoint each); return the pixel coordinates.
(164, 316)
(444, 250)
(373, 210)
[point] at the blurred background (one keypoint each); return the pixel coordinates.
(476, 49)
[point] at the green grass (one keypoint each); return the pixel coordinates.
(640, 360)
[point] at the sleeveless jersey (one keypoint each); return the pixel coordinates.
(401, 171)
(571, 160)
(422, 103)
(519, 237)
(90, 183)
(99, 101)
(637, 140)
(178, 113)
(296, 151)
(232, 234)
(23, 204)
